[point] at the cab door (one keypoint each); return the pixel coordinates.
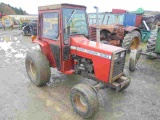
(51, 34)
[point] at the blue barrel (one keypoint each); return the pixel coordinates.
(129, 19)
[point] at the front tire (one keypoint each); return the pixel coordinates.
(127, 74)
(133, 59)
(126, 86)
(84, 100)
(37, 67)
(25, 32)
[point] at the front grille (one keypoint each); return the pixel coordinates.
(118, 65)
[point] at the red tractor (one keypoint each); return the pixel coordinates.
(63, 43)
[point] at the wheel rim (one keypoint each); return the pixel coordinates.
(135, 43)
(80, 103)
(32, 68)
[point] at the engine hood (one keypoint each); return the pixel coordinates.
(81, 43)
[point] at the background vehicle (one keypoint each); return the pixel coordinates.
(23, 24)
(62, 44)
(30, 28)
(128, 37)
(8, 22)
(153, 45)
(151, 18)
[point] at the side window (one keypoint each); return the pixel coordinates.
(50, 25)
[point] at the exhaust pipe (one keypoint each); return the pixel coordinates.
(97, 24)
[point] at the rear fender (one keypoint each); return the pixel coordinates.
(132, 28)
(45, 48)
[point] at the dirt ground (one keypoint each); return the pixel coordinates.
(21, 100)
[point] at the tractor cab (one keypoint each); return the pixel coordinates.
(56, 24)
(62, 21)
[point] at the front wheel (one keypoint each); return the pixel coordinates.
(25, 32)
(133, 59)
(37, 67)
(126, 86)
(84, 100)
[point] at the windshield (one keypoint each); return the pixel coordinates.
(75, 21)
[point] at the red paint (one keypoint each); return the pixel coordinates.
(118, 11)
(138, 20)
(101, 65)
(131, 28)
(47, 51)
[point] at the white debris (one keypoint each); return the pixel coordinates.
(15, 38)
(13, 51)
(6, 45)
(20, 56)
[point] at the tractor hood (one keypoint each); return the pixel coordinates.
(81, 44)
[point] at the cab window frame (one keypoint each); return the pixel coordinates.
(58, 27)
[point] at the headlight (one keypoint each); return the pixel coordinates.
(122, 54)
(116, 56)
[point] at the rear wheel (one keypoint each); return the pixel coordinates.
(151, 44)
(37, 67)
(84, 100)
(131, 41)
(152, 41)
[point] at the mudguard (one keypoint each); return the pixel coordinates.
(45, 48)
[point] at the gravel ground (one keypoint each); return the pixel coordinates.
(21, 100)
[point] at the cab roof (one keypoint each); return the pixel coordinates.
(58, 6)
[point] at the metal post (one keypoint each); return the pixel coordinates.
(97, 24)
(146, 25)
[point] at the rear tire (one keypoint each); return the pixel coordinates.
(37, 67)
(84, 100)
(152, 41)
(131, 41)
(151, 44)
